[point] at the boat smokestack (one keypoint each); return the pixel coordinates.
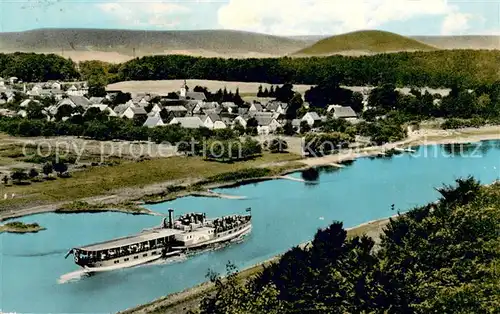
(170, 218)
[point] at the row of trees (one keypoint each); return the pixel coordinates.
(32, 67)
(326, 143)
(20, 176)
(329, 93)
(461, 102)
(222, 95)
(225, 150)
(439, 258)
(434, 68)
(112, 128)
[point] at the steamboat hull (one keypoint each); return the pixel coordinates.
(223, 239)
(134, 263)
(190, 233)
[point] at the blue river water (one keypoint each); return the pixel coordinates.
(285, 213)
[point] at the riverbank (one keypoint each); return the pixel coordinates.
(184, 184)
(416, 138)
(19, 227)
(70, 208)
(189, 299)
(111, 187)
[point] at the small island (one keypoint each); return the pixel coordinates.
(20, 227)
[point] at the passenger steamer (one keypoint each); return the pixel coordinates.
(190, 232)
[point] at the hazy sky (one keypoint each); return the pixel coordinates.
(281, 17)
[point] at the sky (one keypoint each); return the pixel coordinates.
(277, 17)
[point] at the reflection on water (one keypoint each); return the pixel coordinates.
(310, 175)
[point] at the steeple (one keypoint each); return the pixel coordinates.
(184, 89)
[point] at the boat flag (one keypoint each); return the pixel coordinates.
(249, 209)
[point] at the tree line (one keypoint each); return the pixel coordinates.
(100, 127)
(33, 67)
(438, 258)
(435, 69)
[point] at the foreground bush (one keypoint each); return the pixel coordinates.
(439, 258)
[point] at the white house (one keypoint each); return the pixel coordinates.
(340, 112)
(231, 107)
(74, 91)
(96, 100)
(120, 109)
(188, 122)
(22, 113)
(133, 112)
(75, 101)
(277, 107)
(55, 85)
(240, 120)
(205, 106)
(156, 109)
(25, 103)
(213, 121)
(177, 111)
(255, 107)
(154, 121)
(143, 102)
(267, 125)
(56, 93)
(311, 118)
(35, 90)
(104, 108)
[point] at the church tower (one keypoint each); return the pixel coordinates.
(184, 89)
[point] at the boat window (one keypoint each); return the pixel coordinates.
(153, 253)
(116, 262)
(144, 255)
(126, 259)
(136, 257)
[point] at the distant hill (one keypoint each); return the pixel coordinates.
(119, 45)
(122, 45)
(364, 42)
(461, 42)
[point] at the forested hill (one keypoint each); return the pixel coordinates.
(443, 68)
(371, 41)
(147, 42)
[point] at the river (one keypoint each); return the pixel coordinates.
(285, 213)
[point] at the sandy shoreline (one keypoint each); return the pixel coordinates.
(418, 138)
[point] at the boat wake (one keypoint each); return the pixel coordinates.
(171, 260)
(73, 276)
(57, 252)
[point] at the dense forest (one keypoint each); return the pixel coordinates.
(439, 258)
(446, 68)
(32, 67)
(435, 69)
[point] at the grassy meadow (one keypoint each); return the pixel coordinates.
(107, 180)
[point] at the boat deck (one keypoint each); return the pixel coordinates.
(132, 239)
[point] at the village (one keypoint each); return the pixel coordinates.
(189, 109)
